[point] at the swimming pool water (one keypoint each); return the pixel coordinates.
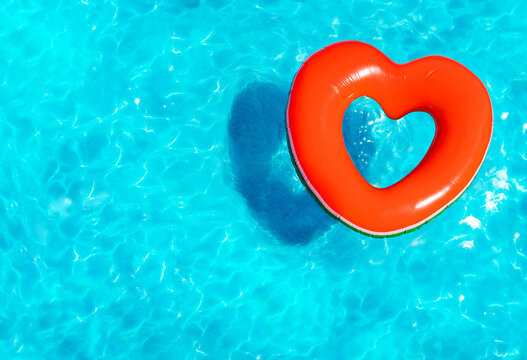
(149, 208)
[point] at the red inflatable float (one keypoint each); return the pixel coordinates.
(325, 86)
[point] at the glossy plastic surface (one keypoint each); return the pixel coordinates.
(335, 76)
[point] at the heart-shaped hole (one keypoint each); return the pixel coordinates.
(385, 150)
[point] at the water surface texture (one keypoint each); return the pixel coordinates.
(149, 208)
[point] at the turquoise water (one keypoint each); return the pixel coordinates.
(149, 208)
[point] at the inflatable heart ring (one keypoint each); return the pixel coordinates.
(335, 76)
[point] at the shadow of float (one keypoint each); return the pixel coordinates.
(263, 171)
